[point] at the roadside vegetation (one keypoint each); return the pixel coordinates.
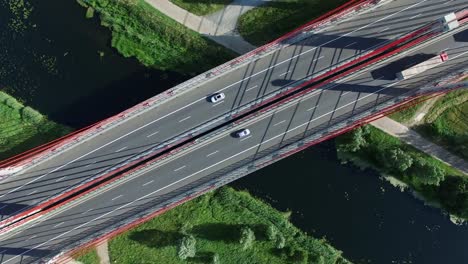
(139, 30)
(22, 128)
(202, 7)
(272, 20)
(89, 257)
(446, 123)
(437, 182)
(223, 226)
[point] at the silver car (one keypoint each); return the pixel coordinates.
(243, 133)
(217, 97)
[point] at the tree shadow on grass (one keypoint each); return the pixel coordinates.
(218, 232)
(202, 257)
(156, 238)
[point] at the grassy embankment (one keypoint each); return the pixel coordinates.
(202, 7)
(22, 127)
(270, 21)
(139, 30)
(215, 221)
(437, 182)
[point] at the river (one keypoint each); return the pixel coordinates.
(62, 64)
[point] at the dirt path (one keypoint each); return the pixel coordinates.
(103, 252)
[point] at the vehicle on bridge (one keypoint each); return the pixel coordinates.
(217, 97)
(242, 133)
(422, 67)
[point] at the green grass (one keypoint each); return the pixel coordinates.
(202, 7)
(88, 257)
(22, 128)
(407, 114)
(215, 219)
(139, 30)
(375, 150)
(270, 21)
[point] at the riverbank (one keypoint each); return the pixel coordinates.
(23, 128)
(216, 221)
(139, 30)
(436, 182)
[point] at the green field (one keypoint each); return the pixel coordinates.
(139, 30)
(272, 20)
(22, 128)
(202, 7)
(215, 220)
(433, 179)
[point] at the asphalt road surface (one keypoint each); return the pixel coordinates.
(241, 86)
(201, 162)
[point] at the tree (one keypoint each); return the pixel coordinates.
(280, 241)
(354, 140)
(427, 173)
(215, 259)
(399, 160)
(271, 232)
(453, 193)
(247, 237)
(186, 247)
(186, 228)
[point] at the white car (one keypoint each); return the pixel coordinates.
(217, 97)
(243, 133)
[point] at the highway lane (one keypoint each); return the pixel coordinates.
(241, 86)
(314, 110)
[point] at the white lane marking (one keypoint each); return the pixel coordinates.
(59, 224)
(251, 88)
(344, 93)
(212, 153)
(245, 138)
(167, 186)
(217, 104)
(152, 134)
(459, 55)
(59, 179)
(385, 29)
(32, 192)
(183, 119)
(4, 206)
(148, 183)
(33, 237)
(87, 211)
(283, 74)
(321, 57)
(117, 197)
(312, 108)
(178, 169)
(203, 98)
(350, 44)
(448, 2)
(281, 122)
(420, 14)
(121, 149)
(1, 252)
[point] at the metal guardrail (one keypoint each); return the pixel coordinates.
(303, 32)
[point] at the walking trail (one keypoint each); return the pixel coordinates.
(411, 137)
(219, 26)
(103, 252)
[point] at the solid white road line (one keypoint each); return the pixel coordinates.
(283, 74)
(32, 192)
(281, 122)
(321, 57)
(385, 29)
(148, 183)
(59, 224)
(117, 197)
(344, 93)
(251, 88)
(212, 153)
(178, 169)
(459, 55)
(152, 134)
(121, 149)
(165, 187)
(87, 211)
(183, 119)
(203, 98)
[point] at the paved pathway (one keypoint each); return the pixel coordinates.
(219, 26)
(412, 138)
(103, 252)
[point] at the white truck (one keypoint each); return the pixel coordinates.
(450, 21)
(422, 67)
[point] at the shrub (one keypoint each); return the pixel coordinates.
(186, 247)
(271, 232)
(247, 237)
